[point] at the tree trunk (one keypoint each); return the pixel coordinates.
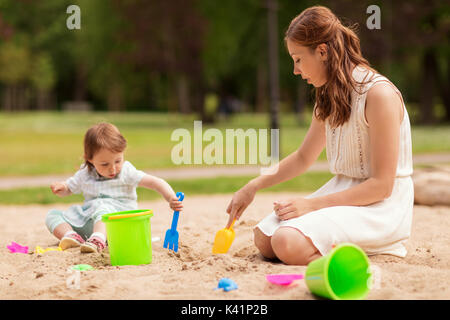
(443, 83)
(171, 98)
(7, 98)
(20, 97)
(261, 89)
(42, 99)
(427, 88)
(183, 95)
(274, 91)
(198, 99)
(24, 97)
(445, 93)
(80, 84)
(115, 98)
(13, 105)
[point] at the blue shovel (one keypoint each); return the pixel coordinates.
(171, 238)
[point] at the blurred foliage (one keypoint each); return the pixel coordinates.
(136, 55)
(44, 75)
(15, 62)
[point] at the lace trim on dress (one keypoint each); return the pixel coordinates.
(358, 133)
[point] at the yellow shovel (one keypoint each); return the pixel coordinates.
(223, 240)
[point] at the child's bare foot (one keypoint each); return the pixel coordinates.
(93, 244)
(71, 240)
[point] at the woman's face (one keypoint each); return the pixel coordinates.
(308, 63)
(108, 164)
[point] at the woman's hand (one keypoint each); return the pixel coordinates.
(293, 208)
(175, 204)
(240, 201)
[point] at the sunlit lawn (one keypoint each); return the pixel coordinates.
(51, 143)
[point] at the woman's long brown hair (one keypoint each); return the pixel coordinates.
(317, 25)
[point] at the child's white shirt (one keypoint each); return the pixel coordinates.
(103, 194)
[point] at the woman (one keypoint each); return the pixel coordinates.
(361, 119)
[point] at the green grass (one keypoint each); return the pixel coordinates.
(42, 195)
(430, 139)
(40, 143)
(51, 143)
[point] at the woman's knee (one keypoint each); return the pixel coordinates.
(292, 247)
(262, 242)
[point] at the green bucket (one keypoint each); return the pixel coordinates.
(129, 237)
(343, 274)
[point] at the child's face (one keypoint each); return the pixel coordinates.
(309, 64)
(108, 164)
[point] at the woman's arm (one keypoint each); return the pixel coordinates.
(290, 167)
(384, 113)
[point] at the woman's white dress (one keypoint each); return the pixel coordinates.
(382, 227)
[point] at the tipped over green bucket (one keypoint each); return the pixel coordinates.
(129, 237)
(343, 274)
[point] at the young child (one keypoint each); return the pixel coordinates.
(361, 119)
(108, 184)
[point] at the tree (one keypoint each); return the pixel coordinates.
(235, 51)
(100, 69)
(168, 43)
(411, 48)
(35, 45)
(14, 70)
(43, 78)
(426, 36)
(274, 89)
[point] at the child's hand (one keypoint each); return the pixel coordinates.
(58, 188)
(175, 204)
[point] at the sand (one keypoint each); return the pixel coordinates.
(194, 272)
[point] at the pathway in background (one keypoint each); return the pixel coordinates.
(199, 172)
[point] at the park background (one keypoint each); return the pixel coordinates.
(151, 67)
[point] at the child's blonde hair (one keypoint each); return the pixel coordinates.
(102, 136)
